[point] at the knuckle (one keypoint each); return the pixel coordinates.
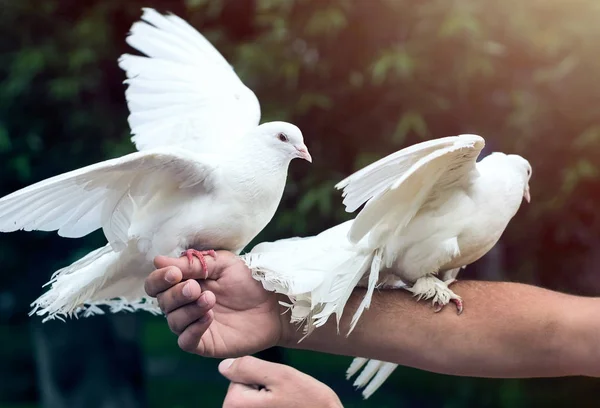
(185, 344)
(286, 373)
(176, 296)
(160, 298)
(174, 325)
(243, 363)
(173, 273)
(147, 287)
(149, 284)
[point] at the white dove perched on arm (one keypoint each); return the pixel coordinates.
(203, 161)
(430, 211)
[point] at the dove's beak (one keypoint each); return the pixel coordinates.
(526, 194)
(304, 154)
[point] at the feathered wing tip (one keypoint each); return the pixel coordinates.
(73, 285)
(81, 288)
(344, 279)
(317, 274)
(302, 314)
(278, 273)
(373, 279)
(356, 365)
(117, 305)
(372, 376)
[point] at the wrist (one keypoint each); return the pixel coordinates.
(290, 333)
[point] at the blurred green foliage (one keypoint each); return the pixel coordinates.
(361, 79)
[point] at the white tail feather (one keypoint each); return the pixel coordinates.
(373, 279)
(91, 282)
(372, 376)
(356, 364)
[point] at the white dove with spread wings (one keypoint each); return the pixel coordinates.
(203, 160)
(429, 211)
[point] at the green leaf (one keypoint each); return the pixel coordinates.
(556, 72)
(22, 167)
(589, 137)
(572, 176)
(63, 89)
(308, 201)
(459, 22)
(326, 22)
(5, 143)
(79, 58)
(364, 159)
(313, 100)
(410, 122)
(380, 69)
(34, 142)
(192, 4)
(398, 60)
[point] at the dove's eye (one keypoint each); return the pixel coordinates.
(282, 137)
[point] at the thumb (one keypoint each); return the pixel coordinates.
(249, 370)
(190, 269)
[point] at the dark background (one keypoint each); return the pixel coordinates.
(361, 79)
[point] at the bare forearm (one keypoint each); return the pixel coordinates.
(506, 330)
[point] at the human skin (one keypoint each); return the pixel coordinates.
(280, 386)
(507, 330)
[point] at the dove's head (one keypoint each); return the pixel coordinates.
(284, 140)
(524, 168)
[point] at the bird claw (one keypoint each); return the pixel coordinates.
(430, 287)
(457, 302)
(193, 253)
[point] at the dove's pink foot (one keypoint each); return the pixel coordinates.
(191, 253)
(457, 302)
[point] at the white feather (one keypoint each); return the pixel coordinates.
(402, 195)
(104, 188)
(372, 376)
(184, 92)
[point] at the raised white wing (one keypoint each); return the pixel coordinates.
(396, 187)
(104, 195)
(184, 92)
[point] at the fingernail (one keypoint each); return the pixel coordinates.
(187, 290)
(202, 301)
(171, 276)
(225, 364)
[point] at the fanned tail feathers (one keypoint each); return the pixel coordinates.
(89, 283)
(344, 280)
(317, 273)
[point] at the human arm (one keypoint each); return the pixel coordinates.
(507, 329)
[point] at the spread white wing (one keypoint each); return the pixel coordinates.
(396, 187)
(104, 195)
(184, 92)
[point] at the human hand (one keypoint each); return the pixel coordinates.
(260, 384)
(221, 312)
